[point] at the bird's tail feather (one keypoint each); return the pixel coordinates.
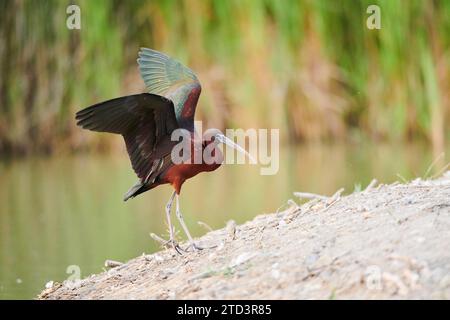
(138, 188)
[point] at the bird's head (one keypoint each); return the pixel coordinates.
(212, 138)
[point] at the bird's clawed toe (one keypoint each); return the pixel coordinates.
(174, 245)
(171, 243)
(194, 247)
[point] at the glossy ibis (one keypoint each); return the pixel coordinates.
(147, 120)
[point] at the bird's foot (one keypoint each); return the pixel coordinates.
(195, 247)
(171, 243)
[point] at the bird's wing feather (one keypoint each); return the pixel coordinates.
(146, 121)
(167, 77)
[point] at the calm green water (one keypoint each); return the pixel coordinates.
(62, 211)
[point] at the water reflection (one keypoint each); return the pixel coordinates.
(68, 210)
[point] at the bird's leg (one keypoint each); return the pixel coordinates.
(171, 240)
(169, 220)
(183, 225)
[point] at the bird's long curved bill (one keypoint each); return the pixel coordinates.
(223, 139)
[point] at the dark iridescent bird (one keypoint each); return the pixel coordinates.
(147, 120)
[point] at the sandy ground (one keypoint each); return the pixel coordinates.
(389, 241)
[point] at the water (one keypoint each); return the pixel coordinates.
(64, 211)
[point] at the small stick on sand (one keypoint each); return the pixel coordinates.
(440, 172)
(371, 185)
(292, 203)
(402, 178)
(334, 198)
(112, 264)
(307, 195)
(204, 225)
(337, 194)
(157, 238)
(231, 230)
(438, 158)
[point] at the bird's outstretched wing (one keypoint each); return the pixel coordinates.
(146, 121)
(169, 78)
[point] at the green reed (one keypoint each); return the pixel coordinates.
(311, 68)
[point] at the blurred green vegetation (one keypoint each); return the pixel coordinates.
(311, 68)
